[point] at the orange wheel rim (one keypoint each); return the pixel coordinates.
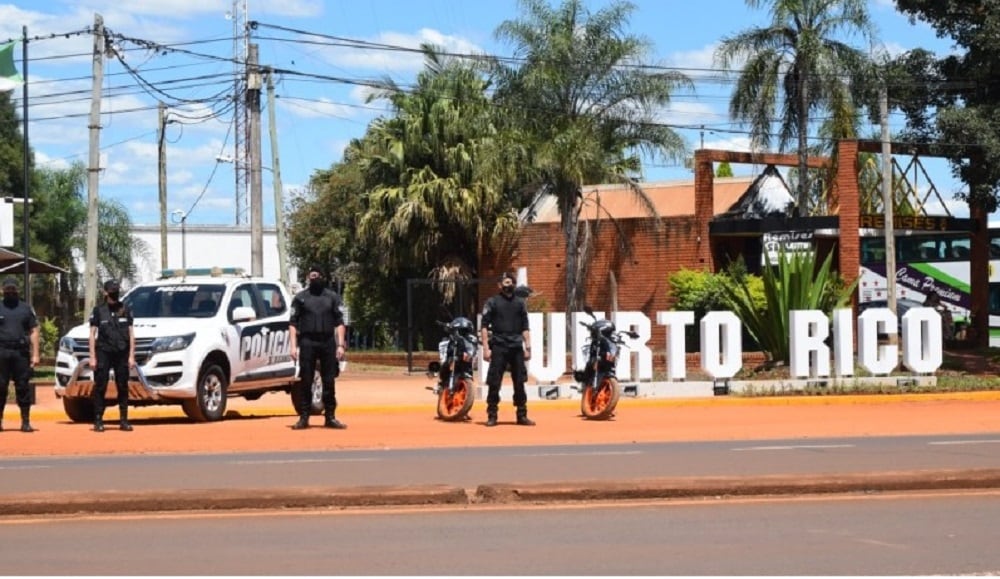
(600, 396)
(454, 400)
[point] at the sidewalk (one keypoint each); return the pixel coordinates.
(394, 410)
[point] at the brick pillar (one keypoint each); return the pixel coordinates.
(849, 208)
(704, 207)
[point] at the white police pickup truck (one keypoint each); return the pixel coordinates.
(201, 336)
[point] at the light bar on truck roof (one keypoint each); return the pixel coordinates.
(202, 271)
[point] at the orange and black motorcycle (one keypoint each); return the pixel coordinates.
(598, 384)
(455, 389)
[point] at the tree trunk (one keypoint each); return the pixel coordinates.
(803, 202)
(570, 223)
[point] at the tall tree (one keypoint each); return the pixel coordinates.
(954, 101)
(11, 149)
(581, 109)
(58, 228)
(432, 204)
(800, 64)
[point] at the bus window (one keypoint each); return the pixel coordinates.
(995, 298)
(872, 250)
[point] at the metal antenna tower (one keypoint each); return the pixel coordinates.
(241, 153)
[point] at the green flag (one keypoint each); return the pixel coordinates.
(9, 77)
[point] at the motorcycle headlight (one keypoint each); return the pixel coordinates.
(66, 344)
(172, 343)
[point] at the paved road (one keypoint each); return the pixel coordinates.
(817, 444)
(470, 467)
(859, 535)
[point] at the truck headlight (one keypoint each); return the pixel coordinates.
(66, 344)
(171, 343)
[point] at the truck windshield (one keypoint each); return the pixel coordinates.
(175, 301)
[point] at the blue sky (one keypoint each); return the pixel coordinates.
(316, 118)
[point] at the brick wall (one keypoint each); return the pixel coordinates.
(640, 269)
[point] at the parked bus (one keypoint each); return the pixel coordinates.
(932, 262)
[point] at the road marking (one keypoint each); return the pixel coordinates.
(26, 467)
(594, 453)
(794, 447)
(948, 442)
(302, 460)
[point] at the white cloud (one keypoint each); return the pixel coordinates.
(733, 143)
(316, 108)
(187, 9)
(398, 61)
(695, 63)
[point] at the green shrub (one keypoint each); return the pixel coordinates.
(794, 283)
(48, 337)
(701, 291)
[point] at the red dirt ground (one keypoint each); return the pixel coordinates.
(394, 410)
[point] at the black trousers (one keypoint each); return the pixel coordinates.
(16, 364)
(323, 351)
(506, 358)
(107, 361)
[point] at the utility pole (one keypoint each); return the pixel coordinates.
(26, 160)
(241, 39)
(161, 143)
(279, 202)
(253, 136)
(887, 201)
(93, 170)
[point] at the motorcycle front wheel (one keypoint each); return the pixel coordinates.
(599, 403)
(455, 404)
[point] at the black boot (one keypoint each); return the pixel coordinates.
(26, 420)
(99, 424)
(522, 417)
(332, 422)
(491, 416)
(303, 422)
(123, 420)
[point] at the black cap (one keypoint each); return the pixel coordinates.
(9, 282)
(317, 268)
(111, 286)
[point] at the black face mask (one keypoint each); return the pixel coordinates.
(508, 290)
(316, 285)
(10, 299)
(113, 296)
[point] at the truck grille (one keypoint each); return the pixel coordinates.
(143, 349)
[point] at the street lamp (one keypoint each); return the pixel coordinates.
(279, 224)
(179, 216)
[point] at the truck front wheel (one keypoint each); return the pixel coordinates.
(210, 403)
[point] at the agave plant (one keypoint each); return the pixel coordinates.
(793, 283)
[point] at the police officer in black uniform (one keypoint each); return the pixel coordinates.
(317, 333)
(112, 345)
(18, 351)
(506, 345)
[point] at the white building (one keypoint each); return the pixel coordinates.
(204, 246)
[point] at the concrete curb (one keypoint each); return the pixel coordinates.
(118, 502)
(680, 488)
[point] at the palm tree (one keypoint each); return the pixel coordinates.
(580, 109)
(798, 63)
(431, 204)
(59, 225)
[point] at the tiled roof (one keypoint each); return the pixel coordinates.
(671, 199)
